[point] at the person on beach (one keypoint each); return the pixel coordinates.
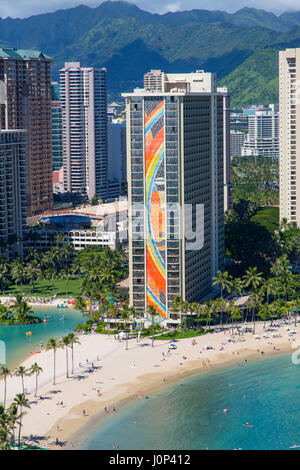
(83, 412)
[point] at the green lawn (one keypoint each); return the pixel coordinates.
(44, 288)
(180, 335)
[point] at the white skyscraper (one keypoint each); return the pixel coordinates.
(262, 139)
(84, 113)
(289, 160)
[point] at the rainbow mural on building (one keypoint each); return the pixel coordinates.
(154, 110)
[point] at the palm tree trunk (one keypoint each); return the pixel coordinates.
(67, 362)
(23, 384)
(36, 383)
(54, 368)
(72, 347)
(152, 332)
(20, 426)
(4, 401)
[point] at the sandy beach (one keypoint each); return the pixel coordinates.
(108, 375)
(9, 299)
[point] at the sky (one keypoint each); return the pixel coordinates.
(25, 8)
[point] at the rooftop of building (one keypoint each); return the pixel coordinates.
(96, 212)
(77, 65)
(12, 53)
(180, 84)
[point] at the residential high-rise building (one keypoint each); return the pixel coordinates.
(57, 137)
(175, 169)
(25, 97)
(117, 175)
(289, 112)
(154, 80)
(56, 120)
(262, 139)
(226, 148)
(237, 140)
(84, 114)
(13, 161)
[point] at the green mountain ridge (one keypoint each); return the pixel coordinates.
(242, 48)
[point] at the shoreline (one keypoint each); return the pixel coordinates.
(119, 376)
(90, 424)
(74, 425)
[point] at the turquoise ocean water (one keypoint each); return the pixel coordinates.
(19, 346)
(190, 414)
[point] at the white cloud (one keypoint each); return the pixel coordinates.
(176, 6)
(25, 8)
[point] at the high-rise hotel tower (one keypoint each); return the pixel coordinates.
(289, 143)
(175, 164)
(25, 103)
(84, 117)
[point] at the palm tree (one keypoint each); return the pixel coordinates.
(177, 304)
(222, 279)
(264, 313)
(134, 314)
(37, 370)
(5, 372)
(50, 261)
(152, 312)
(125, 317)
(268, 288)
(81, 305)
(73, 339)
(235, 314)
(17, 274)
(253, 278)
(21, 401)
(205, 313)
(21, 308)
(21, 371)
(237, 286)
(185, 308)
(255, 302)
(32, 272)
(53, 344)
(220, 306)
(3, 312)
(65, 274)
(211, 310)
(4, 275)
(65, 342)
(5, 428)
